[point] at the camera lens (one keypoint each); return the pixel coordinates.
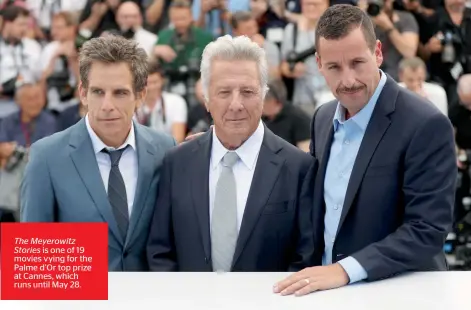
(373, 9)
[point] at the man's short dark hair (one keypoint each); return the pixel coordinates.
(413, 63)
(11, 12)
(240, 17)
(341, 19)
(155, 68)
(277, 91)
(114, 50)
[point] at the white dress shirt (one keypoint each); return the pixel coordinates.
(243, 169)
(127, 163)
(436, 95)
(146, 40)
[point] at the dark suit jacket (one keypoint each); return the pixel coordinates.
(276, 232)
(399, 201)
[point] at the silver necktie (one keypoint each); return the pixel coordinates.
(224, 218)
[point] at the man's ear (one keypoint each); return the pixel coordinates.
(206, 103)
(318, 61)
(379, 53)
(140, 97)
(82, 94)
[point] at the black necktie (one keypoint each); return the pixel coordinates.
(117, 192)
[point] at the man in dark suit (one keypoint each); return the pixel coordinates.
(105, 168)
(230, 199)
(387, 169)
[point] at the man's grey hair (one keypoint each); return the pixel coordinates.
(229, 48)
(114, 50)
(464, 84)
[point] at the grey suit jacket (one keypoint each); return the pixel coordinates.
(62, 183)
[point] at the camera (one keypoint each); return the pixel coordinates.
(18, 154)
(451, 46)
(9, 87)
(293, 57)
(375, 7)
(185, 75)
(182, 79)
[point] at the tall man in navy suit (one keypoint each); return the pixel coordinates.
(385, 188)
(105, 168)
(231, 199)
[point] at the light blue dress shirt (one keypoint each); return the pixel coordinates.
(348, 135)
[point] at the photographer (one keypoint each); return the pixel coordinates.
(273, 15)
(447, 46)
(13, 159)
(18, 56)
(244, 24)
(298, 54)
(214, 15)
(99, 16)
(162, 111)
(460, 116)
(398, 32)
(59, 63)
(44, 11)
(129, 19)
(180, 49)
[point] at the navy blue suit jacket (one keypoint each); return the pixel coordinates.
(399, 201)
(276, 231)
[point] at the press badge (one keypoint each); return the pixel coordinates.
(456, 71)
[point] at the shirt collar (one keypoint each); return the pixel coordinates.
(247, 152)
(98, 145)
(362, 118)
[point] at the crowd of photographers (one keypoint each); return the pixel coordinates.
(426, 46)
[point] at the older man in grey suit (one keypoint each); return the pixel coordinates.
(104, 168)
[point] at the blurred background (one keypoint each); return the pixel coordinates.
(426, 46)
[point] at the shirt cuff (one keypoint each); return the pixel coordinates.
(353, 269)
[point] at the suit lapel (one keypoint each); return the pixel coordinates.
(377, 127)
(199, 179)
(84, 159)
(266, 173)
(147, 161)
(325, 134)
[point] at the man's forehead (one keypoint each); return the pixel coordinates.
(108, 86)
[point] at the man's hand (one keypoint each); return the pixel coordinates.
(383, 21)
(299, 70)
(7, 149)
(434, 45)
(165, 52)
(99, 9)
(259, 39)
(313, 279)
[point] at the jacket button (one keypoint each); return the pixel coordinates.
(125, 254)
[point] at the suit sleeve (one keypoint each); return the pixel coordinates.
(37, 200)
(428, 192)
(304, 254)
(161, 253)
